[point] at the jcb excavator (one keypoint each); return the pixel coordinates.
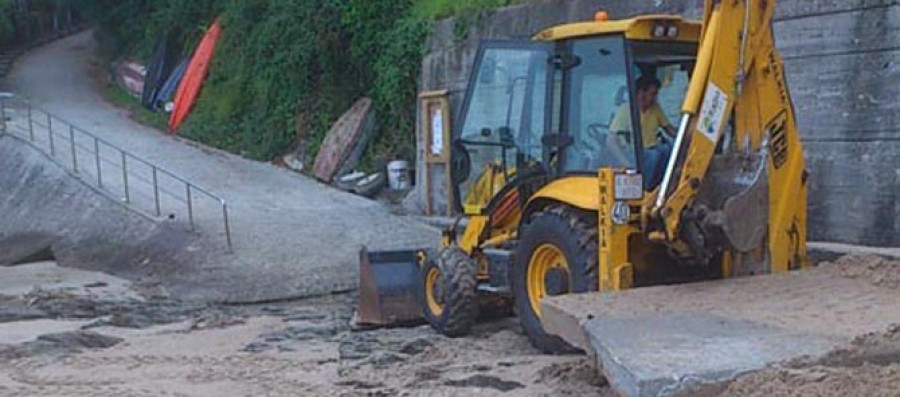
(565, 191)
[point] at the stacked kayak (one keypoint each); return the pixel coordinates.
(194, 76)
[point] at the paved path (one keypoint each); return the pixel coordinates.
(292, 235)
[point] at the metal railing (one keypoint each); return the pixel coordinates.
(142, 185)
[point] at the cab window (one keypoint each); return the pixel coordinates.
(598, 91)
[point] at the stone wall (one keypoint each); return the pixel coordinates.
(842, 70)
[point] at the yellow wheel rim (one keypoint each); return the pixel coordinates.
(431, 282)
(544, 259)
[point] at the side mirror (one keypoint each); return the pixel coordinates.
(565, 62)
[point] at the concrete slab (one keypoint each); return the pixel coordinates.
(22, 279)
(683, 339)
(838, 249)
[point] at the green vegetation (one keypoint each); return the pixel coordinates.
(121, 98)
(7, 22)
(285, 70)
(23, 20)
(435, 9)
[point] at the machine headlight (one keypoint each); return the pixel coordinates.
(659, 30)
(672, 32)
(621, 212)
(664, 30)
(629, 186)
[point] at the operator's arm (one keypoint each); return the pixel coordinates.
(622, 120)
(662, 120)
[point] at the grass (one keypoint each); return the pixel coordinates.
(122, 99)
(436, 9)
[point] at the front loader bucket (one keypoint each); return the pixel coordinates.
(388, 288)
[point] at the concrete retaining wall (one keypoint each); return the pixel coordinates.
(842, 67)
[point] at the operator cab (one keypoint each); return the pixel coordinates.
(565, 105)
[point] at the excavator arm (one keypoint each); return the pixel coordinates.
(738, 91)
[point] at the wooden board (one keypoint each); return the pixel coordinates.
(437, 137)
(342, 140)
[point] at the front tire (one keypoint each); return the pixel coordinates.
(557, 255)
(450, 298)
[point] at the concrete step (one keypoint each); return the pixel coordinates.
(693, 338)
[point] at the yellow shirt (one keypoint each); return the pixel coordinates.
(651, 120)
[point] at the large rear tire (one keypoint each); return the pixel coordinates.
(557, 255)
(450, 299)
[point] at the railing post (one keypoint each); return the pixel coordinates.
(125, 176)
(227, 226)
(30, 121)
(74, 152)
(97, 161)
(3, 114)
(50, 135)
(190, 205)
(156, 192)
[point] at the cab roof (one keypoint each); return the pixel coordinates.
(638, 28)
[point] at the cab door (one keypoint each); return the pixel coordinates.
(503, 118)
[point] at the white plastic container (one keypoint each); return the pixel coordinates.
(398, 175)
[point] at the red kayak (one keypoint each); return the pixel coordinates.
(193, 79)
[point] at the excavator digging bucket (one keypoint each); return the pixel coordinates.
(389, 288)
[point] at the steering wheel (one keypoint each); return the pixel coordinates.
(609, 145)
(598, 131)
(597, 136)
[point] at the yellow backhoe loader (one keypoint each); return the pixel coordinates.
(615, 154)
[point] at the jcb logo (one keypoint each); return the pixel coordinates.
(779, 143)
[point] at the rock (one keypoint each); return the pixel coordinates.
(274, 310)
(256, 347)
(568, 373)
(427, 374)
(382, 359)
(80, 339)
(216, 321)
(293, 162)
(416, 346)
(485, 381)
(305, 315)
(360, 384)
(311, 331)
(354, 351)
(273, 338)
(16, 310)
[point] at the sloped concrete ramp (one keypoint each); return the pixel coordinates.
(695, 338)
(46, 210)
(48, 213)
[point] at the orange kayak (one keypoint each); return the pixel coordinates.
(194, 77)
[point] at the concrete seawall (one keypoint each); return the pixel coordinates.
(840, 61)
